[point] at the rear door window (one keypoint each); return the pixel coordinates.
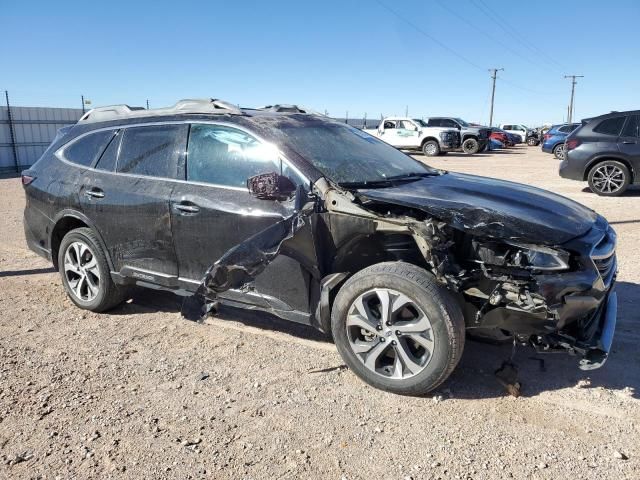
(153, 150)
(610, 126)
(631, 129)
(87, 149)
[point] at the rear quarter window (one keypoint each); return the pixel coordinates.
(610, 126)
(85, 150)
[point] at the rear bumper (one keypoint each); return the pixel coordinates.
(571, 170)
(33, 243)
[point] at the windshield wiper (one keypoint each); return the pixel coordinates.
(389, 181)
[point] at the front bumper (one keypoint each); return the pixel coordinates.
(597, 351)
(574, 311)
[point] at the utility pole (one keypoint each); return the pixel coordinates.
(573, 90)
(147, 104)
(12, 133)
(494, 74)
(406, 111)
(82, 97)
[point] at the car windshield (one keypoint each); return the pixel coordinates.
(347, 155)
(461, 122)
(422, 123)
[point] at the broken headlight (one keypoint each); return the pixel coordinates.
(522, 255)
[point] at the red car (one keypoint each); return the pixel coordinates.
(501, 137)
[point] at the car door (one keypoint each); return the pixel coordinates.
(629, 141)
(407, 133)
(213, 211)
(390, 133)
(127, 197)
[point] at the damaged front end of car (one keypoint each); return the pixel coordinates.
(556, 296)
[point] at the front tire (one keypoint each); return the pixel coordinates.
(532, 142)
(430, 148)
(470, 146)
(609, 178)
(85, 272)
(397, 329)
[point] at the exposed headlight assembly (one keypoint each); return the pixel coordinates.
(536, 257)
(523, 255)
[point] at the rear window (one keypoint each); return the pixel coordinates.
(153, 150)
(610, 126)
(86, 149)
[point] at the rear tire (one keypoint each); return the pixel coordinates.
(558, 151)
(430, 148)
(85, 272)
(470, 146)
(532, 142)
(609, 178)
(413, 347)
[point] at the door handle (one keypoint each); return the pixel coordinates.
(627, 142)
(186, 208)
(94, 192)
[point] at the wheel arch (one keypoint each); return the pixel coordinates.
(428, 139)
(66, 221)
(358, 253)
(469, 136)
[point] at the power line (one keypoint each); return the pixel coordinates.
(430, 37)
(489, 36)
(573, 90)
(504, 25)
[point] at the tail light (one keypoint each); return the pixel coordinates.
(571, 144)
(27, 179)
(546, 136)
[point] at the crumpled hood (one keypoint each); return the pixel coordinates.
(491, 208)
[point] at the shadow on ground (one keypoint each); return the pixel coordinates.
(474, 377)
(32, 271)
(632, 191)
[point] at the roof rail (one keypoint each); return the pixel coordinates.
(199, 105)
(287, 108)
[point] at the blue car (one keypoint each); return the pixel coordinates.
(553, 140)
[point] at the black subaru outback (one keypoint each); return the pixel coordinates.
(290, 212)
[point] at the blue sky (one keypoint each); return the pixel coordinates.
(338, 55)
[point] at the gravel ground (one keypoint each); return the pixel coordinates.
(142, 393)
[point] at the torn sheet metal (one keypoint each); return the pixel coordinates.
(491, 208)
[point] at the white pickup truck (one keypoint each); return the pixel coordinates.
(414, 134)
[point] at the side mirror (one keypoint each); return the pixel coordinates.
(271, 186)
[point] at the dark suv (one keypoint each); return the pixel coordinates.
(319, 223)
(605, 151)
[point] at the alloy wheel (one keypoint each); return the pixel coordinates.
(608, 179)
(389, 333)
(81, 271)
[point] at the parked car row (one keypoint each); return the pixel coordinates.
(433, 136)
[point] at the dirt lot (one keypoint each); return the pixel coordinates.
(142, 393)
